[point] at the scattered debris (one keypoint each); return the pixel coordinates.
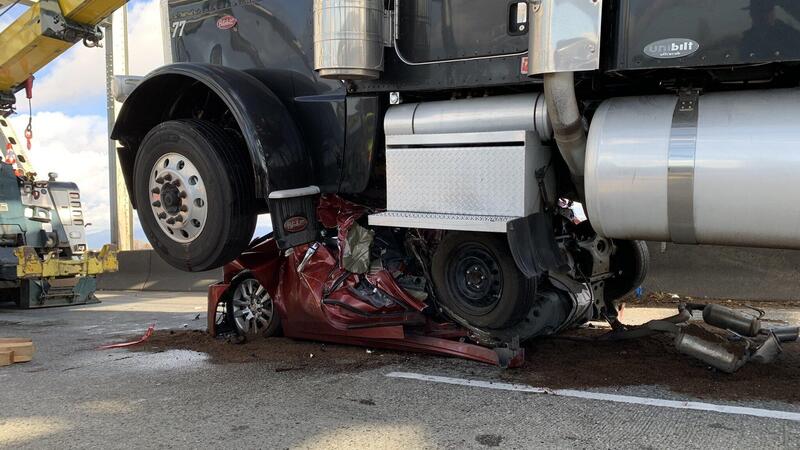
(285, 354)
(566, 361)
(146, 336)
(728, 341)
(666, 299)
(651, 361)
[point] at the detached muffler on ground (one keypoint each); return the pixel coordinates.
(748, 341)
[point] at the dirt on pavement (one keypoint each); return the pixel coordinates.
(286, 354)
(565, 363)
(663, 299)
(559, 362)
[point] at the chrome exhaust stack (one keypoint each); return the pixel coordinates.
(567, 122)
(557, 51)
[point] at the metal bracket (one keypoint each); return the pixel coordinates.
(680, 181)
(389, 27)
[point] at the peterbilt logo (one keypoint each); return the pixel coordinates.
(671, 48)
(226, 22)
(295, 224)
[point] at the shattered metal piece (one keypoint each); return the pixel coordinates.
(712, 349)
(356, 251)
(768, 351)
(785, 334)
(730, 319)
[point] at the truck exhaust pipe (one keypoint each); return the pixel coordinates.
(730, 319)
(567, 122)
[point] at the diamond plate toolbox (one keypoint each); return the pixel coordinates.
(482, 174)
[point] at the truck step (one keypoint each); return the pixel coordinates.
(436, 221)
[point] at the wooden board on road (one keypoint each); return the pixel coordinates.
(6, 358)
(16, 350)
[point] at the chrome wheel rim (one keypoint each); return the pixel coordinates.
(178, 197)
(252, 307)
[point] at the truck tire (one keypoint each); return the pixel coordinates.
(476, 279)
(194, 194)
(631, 260)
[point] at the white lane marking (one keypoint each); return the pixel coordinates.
(698, 406)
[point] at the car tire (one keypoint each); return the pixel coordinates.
(251, 309)
(194, 192)
(476, 279)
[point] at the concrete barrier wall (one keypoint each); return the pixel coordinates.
(144, 270)
(724, 272)
(696, 271)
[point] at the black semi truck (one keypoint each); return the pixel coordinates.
(476, 126)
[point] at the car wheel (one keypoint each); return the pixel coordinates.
(194, 193)
(476, 279)
(251, 308)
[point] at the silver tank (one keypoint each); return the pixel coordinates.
(730, 180)
(498, 113)
(348, 39)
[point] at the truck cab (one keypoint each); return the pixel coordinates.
(478, 127)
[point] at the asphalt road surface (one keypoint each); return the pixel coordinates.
(288, 394)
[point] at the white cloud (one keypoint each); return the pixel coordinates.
(75, 147)
(145, 47)
(79, 73)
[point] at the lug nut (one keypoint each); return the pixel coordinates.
(176, 182)
(179, 218)
(162, 215)
(157, 204)
(156, 190)
(168, 177)
(159, 180)
(184, 208)
(171, 221)
(183, 194)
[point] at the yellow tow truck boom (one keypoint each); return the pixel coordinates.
(43, 32)
(44, 255)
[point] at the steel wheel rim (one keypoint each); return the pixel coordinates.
(252, 307)
(475, 279)
(178, 197)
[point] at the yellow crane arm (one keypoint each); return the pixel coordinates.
(44, 31)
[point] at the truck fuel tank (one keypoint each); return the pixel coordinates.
(719, 168)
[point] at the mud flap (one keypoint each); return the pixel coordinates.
(534, 246)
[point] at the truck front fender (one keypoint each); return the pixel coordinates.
(277, 153)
